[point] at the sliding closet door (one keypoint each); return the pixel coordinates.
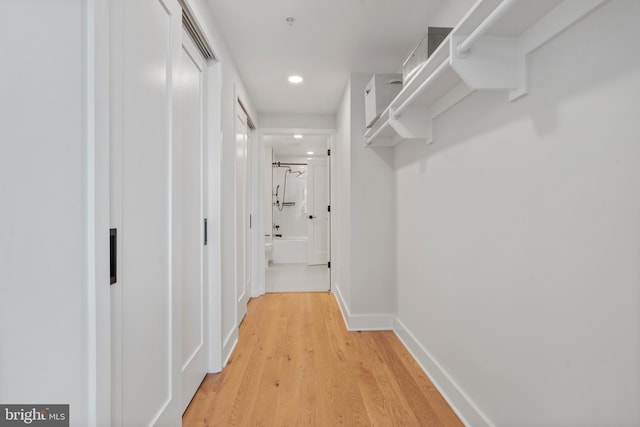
(189, 221)
(145, 305)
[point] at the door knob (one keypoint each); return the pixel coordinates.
(311, 216)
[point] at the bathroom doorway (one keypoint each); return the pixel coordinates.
(297, 248)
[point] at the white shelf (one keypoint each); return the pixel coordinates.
(499, 36)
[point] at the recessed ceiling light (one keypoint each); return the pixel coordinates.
(290, 20)
(295, 79)
(309, 152)
(297, 136)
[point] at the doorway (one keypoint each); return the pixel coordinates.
(297, 224)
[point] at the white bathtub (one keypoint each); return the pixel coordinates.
(290, 250)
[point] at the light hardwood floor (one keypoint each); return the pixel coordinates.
(295, 364)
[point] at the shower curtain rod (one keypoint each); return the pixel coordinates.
(287, 164)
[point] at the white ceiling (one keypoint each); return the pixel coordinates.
(328, 40)
(286, 146)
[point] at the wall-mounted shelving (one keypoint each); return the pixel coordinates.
(488, 49)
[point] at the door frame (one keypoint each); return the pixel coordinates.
(259, 189)
(213, 210)
(331, 152)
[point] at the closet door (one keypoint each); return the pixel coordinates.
(188, 221)
(145, 305)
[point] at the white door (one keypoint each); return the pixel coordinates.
(188, 220)
(146, 43)
(318, 218)
(243, 235)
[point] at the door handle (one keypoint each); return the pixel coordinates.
(311, 217)
(113, 255)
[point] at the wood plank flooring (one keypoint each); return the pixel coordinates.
(295, 364)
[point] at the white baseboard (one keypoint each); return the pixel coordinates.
(228, 345)
(466, 410)
(362, 322)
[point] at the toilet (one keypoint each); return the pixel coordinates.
(268, 253)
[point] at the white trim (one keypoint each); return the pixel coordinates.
(229, 345)
(362, 322)
(96, 87)
(234, 221)
(257, 235)
(370, 322)
(261, 213)
(461, 404)
(116, 193)
(91, 247)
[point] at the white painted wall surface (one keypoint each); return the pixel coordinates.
(341, 204)
(364, 218)
(518, 237)
(450, 13)
(54, 212)
(372, 215)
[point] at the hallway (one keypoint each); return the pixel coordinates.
(476, 199)
(295, 364)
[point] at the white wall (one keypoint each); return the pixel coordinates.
(450, 12)
(52, 290)
(341, 204)
(372, 213)
(365, 264)
(232, 88)
(518, 238)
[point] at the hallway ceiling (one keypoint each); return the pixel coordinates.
(287, 146)
(328, 40)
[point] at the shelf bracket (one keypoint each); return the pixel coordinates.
(413, 123)
(492, 63)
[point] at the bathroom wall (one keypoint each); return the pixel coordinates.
(518, 238)
(292, 220)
